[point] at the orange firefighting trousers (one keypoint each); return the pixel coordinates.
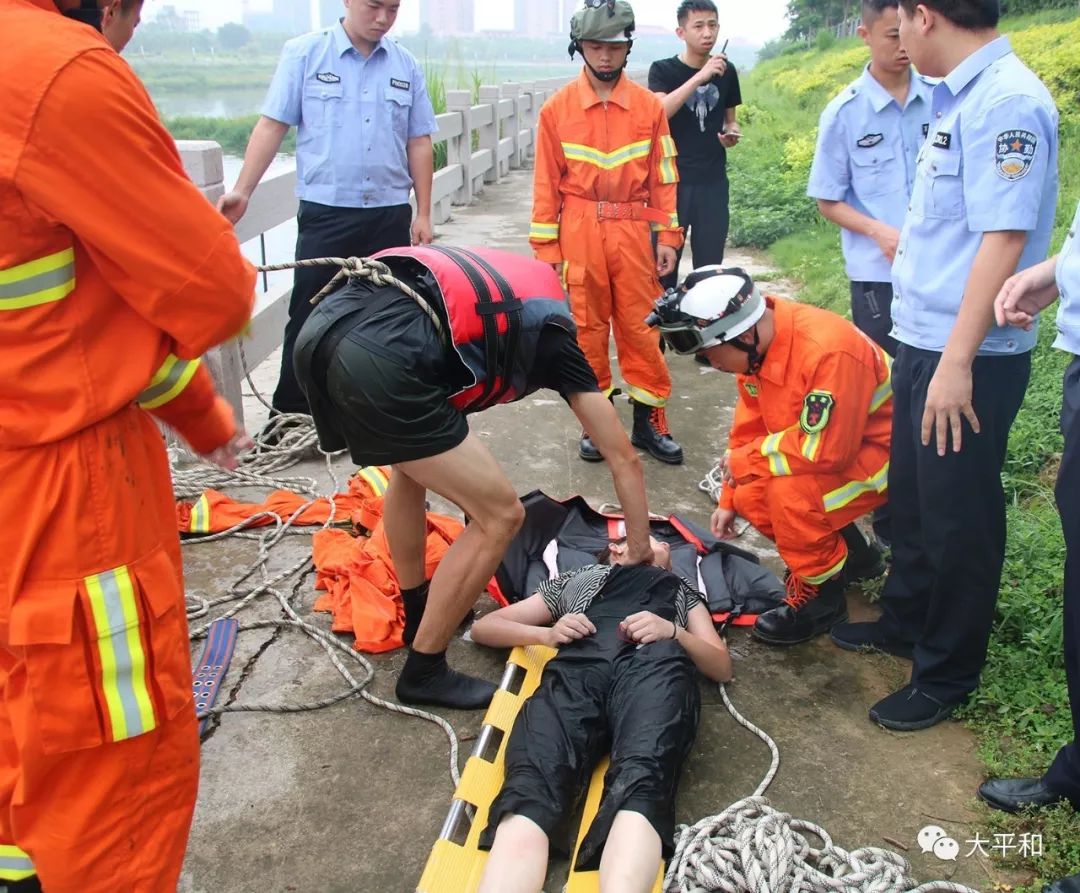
(99, 753)
(609, 272)
(803, 513)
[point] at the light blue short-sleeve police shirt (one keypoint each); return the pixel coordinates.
(866, 155)
(989, 165)
(1068, 280)
(353, 116)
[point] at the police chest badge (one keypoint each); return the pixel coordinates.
(327, 77)
(1015, 153)
(817, 406)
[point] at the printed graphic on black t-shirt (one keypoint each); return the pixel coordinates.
(697, 126)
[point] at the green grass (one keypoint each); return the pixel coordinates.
(1020, 712)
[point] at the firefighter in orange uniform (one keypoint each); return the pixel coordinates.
(605, 175)
(116, 274)
(808, 452)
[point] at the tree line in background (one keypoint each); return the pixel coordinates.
(807, 17)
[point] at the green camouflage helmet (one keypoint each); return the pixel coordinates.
(607, 21)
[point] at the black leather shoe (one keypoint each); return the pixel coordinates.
(587, 449)
(865, 560)
(1015, 794)
(869, 637)
(806, 612)
(651, 433)
(1070, 884)
(910, 710)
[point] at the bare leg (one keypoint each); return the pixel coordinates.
(406, 529)
(468, 476)
(631, 856)
(518, 859)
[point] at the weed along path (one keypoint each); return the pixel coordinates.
(351, 798)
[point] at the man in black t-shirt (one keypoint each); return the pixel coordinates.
(392, 364)
(700, 92)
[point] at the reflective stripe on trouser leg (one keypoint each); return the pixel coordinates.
(120, 650)
(15, 865)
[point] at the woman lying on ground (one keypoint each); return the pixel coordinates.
(629, 638)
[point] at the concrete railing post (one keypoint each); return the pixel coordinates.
(489, 133)
(204, 162)
(459, 148)
(513, 123)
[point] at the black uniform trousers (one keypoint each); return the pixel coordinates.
(704, 213)
(327, 231)
(948, 522)
(1064, 774)
(871, 311)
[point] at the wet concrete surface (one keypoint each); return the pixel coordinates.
(349, 799)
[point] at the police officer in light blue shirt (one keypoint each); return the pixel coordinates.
(364, 123)
(864, 166)
(1018, 304)
(982, 209)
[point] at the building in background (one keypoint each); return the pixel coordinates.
(537, 19)
(329, 12)
(448, 16)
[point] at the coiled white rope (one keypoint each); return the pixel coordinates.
(752, 848)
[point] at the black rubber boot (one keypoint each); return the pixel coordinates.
(651, 433)
(414, 600)
(587, 449)
(865, 560)
(428, 679)
(807, 611)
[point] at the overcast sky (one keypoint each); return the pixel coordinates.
(757, 20)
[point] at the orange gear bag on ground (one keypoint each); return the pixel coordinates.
(214, 512)
(362, 591)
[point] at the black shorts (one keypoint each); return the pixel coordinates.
(377, 378)
(601, 695)
(389, 412)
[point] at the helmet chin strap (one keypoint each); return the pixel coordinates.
(604, 76)
(88, 13)
(754, 357)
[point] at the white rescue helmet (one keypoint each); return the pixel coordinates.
(712, 306)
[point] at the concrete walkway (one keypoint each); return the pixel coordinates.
(349, 799)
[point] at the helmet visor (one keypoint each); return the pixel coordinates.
(682, 340)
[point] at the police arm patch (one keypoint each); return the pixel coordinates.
(1015, 153)
(817, 407)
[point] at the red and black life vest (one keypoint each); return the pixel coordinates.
(497, 303)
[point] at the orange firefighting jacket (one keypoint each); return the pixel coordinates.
(620, 150)
(824, 393)
(93, 313)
